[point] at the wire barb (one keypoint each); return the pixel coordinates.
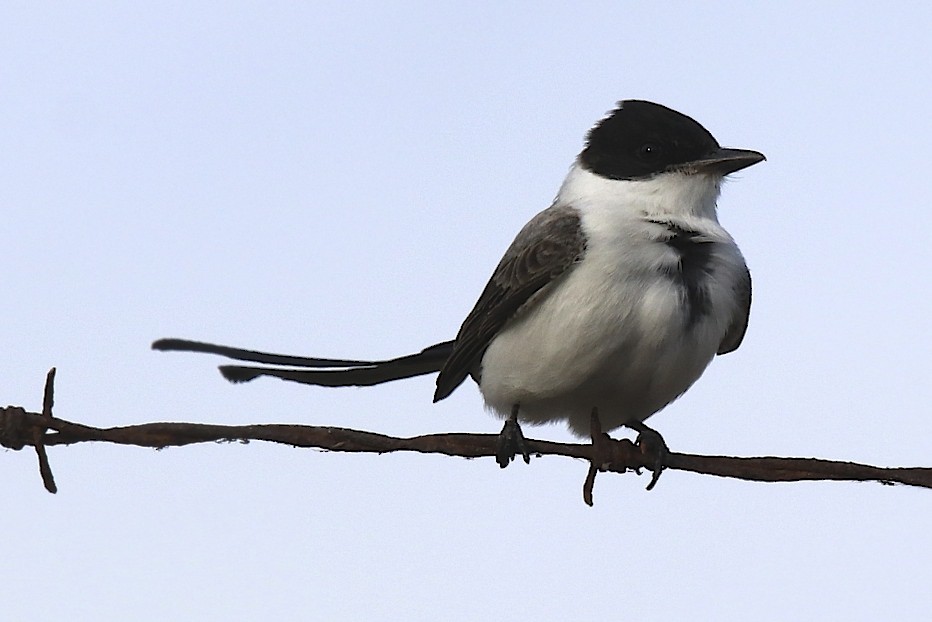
(19, 428)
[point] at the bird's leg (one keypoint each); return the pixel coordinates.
(511, 441)
(652, 445)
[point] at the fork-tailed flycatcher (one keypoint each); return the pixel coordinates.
(609, 303)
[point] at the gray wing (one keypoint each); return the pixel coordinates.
(542, 251)
(739, 325)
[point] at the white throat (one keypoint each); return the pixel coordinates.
(677, 195)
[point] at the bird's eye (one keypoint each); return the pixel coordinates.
(650, 152)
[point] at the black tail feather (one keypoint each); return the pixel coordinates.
(251, 356)
(318, 371)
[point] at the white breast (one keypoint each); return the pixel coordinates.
(613, 332)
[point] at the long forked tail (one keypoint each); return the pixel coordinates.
(317, 371)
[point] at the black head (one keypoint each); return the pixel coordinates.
(640, 139)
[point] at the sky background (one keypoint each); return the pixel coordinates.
(340, 179)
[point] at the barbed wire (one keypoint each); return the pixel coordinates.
(20, 428)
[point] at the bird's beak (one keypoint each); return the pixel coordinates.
(724, 161)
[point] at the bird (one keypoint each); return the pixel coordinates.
(607, 306)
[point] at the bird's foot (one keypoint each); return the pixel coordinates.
(511, 442)
(651, 445)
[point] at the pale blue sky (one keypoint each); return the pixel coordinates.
(340, 179)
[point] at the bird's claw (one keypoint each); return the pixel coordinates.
(511, 442)
(652, 446)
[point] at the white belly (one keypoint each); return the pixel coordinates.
(613, 334)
